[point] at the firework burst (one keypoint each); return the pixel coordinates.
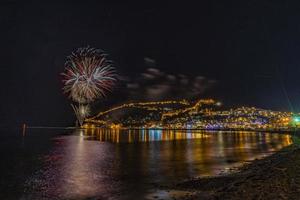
(88, 75)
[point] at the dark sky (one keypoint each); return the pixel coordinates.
(249, 48)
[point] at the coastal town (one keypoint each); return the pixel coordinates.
(206, 114)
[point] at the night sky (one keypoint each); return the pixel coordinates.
(241, 52)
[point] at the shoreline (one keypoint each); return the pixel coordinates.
(293, 130)
(274, 177)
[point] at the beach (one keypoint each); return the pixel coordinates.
(274, 177)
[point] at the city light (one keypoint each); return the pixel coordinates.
(296, 119)
(201, 114)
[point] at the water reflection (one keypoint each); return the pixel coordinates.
(143, 135)
(125, 164)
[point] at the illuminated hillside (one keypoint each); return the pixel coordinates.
(201, 114)
(146, 113)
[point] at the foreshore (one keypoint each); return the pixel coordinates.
(275, 130)
(274, 177)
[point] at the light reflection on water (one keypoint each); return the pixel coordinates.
(130, 136)
(119, 164)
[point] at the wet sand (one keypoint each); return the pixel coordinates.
(274, 177)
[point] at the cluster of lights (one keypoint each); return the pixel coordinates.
(201, 115)
(189, 109)
(145, 105)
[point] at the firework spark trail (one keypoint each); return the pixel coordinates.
(88, 75)
(81, 112)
